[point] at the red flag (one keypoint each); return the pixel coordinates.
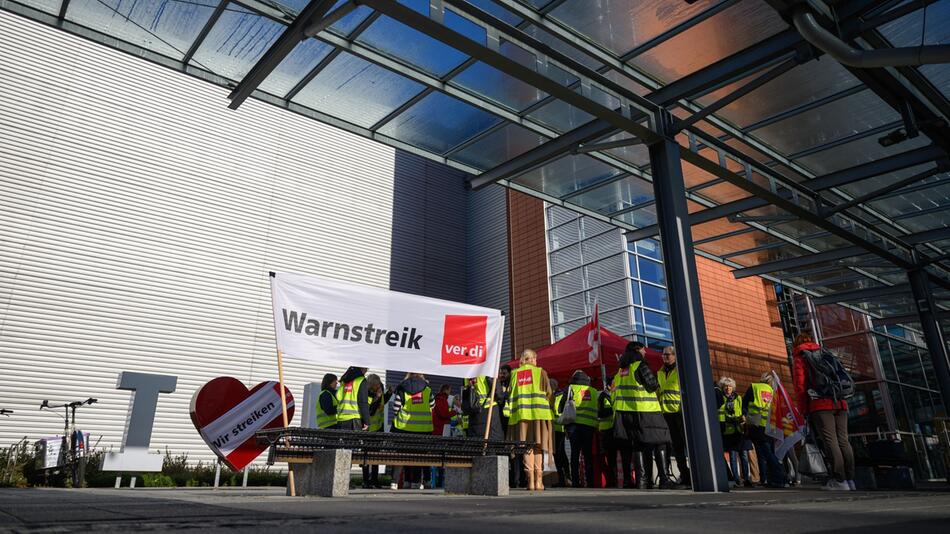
(785, 423)
(593, 336)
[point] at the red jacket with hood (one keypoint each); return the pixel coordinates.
(807, 405)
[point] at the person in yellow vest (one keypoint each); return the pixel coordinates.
(731, 423)
(670, 399)
(561, 462)
(581, 431)
(757, 408)
(353, 399)
(530, 415)
(327, 402)
(605, 434)
(639, 425)
(377, 421)
(475, 404)
(413, 403)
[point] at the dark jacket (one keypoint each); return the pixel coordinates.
(326, 401)
(478, 415)
(362, 395)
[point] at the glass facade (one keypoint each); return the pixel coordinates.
(589, 259)
(896, 396)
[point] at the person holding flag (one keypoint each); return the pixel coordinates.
(757, 409)
(785, 425)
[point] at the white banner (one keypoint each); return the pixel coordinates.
(237, 425)
(343, 324)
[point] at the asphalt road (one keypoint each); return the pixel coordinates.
(579, 511)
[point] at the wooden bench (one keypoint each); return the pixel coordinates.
(321, 459)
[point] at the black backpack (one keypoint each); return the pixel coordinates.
(827, 377)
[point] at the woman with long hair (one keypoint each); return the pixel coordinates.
(530, 415)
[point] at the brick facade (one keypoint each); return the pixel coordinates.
(745, 338)
(528, 273)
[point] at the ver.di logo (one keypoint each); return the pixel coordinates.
(463, 340)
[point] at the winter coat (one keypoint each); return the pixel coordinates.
(801, 379)
(442, 414)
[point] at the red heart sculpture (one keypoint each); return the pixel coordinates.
(227, 415)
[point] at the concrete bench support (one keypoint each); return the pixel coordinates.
(488, 476)
(327, 476)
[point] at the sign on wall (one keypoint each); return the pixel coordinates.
(342, 324)
(227, 415)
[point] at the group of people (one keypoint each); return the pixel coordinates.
(638, 415)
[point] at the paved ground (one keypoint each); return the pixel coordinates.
(579, 511)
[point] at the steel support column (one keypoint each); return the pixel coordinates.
(707, 464)
(933, 334)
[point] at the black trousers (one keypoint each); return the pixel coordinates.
(582, 441)
(561, 462)
(608, 449)
(678, 440)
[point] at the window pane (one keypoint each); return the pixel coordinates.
(236, 42)
(357, 91)
(170, 28)
(438, 122)
(651, 271)
(655, 297)
(649, 248)
(657, 325)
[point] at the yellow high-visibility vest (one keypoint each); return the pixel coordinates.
(761, 407)
(325, 420)
(736, 413)
(669, 393)
(585, 404)
(630, 396)
(348, 409)
(415, 414)
(527, 400)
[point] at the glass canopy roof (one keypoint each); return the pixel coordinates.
(825, 177)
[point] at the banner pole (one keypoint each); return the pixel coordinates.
(494, 382)
(283, 395)
(283, 405)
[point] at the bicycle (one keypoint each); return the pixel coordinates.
(73, 450)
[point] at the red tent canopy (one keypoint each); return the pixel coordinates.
(572, 353)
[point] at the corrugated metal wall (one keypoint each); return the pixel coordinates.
(488, 254)
(139, 218)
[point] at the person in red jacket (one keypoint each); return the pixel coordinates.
(442, 414)
(828, 417)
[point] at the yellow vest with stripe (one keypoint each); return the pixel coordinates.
(630, 396)
(527, 401)
(669, 393)
(376, 419)
(586, 405)
(557, 412)
(325, 420)
(606, 423)
(348, 409)
(761, 407)
(482, 391)
(415, 414)
(731, 427)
